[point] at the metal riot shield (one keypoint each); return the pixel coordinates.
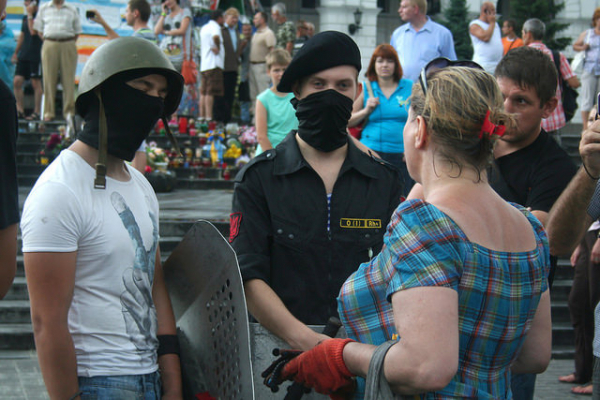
(205, 286)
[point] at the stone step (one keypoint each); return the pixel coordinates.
(562, 334)
(563, 352)
(27, 157)
(27, 136)
(16, 336)
(205, 184)
(27, 179)
(560, 312)
(18, 290)
(30, 147)
(561, 289)
(564, 271)
(179, 227)
(14, 312)
(31, 169)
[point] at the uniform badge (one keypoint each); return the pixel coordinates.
(235, 219)
(363, 223)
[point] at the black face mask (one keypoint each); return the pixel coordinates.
(130, 116)
(323, 118)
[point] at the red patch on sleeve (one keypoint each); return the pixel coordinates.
(235, 219)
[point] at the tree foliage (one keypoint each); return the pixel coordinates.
(546, 11)
(457, 20)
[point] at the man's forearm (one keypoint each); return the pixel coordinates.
(568, 217)
(170, 375)
(110, 33)
(269, 310)
(58, 363)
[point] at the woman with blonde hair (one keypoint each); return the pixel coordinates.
(458, 297)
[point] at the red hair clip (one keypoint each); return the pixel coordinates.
(490, 128)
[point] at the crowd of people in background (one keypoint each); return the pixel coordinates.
(461, 160)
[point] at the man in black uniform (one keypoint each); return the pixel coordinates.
(531, 168)
(307, 213)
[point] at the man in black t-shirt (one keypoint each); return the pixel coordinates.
(530, 168)
(27, 56)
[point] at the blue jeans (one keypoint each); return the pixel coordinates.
(122, 387)
(522, 386)
(396, 159)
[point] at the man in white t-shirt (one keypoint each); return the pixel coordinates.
(102, 318)
(486, 38)
(211, 64)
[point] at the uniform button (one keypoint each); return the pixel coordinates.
(280, 231)
(291, 236)
(269, 155)
(368, 235)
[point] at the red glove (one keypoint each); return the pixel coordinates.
(322, 368)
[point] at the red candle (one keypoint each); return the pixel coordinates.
(159, 126)
(183, 125)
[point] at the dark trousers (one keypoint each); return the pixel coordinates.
(223, 105)
(584, 295)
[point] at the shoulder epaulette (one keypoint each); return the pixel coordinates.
(381, 161)
(265, 156)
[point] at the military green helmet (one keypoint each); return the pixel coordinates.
(128, 54)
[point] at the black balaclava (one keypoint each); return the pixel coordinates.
(322, 119)
(130, 116)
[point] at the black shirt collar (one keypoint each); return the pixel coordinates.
(289, 159)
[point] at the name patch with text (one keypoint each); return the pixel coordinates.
(360, 223)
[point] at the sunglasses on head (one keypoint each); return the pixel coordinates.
(441, 63)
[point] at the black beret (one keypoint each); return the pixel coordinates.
(323, 51)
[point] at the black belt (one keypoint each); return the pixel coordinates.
(61, 40)
(257, 62)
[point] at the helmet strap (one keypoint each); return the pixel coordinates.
(100, 181)
(170, 135)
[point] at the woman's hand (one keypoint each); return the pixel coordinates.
(372, 103)
(164, 8)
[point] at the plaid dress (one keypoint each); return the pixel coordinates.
(498, 294)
